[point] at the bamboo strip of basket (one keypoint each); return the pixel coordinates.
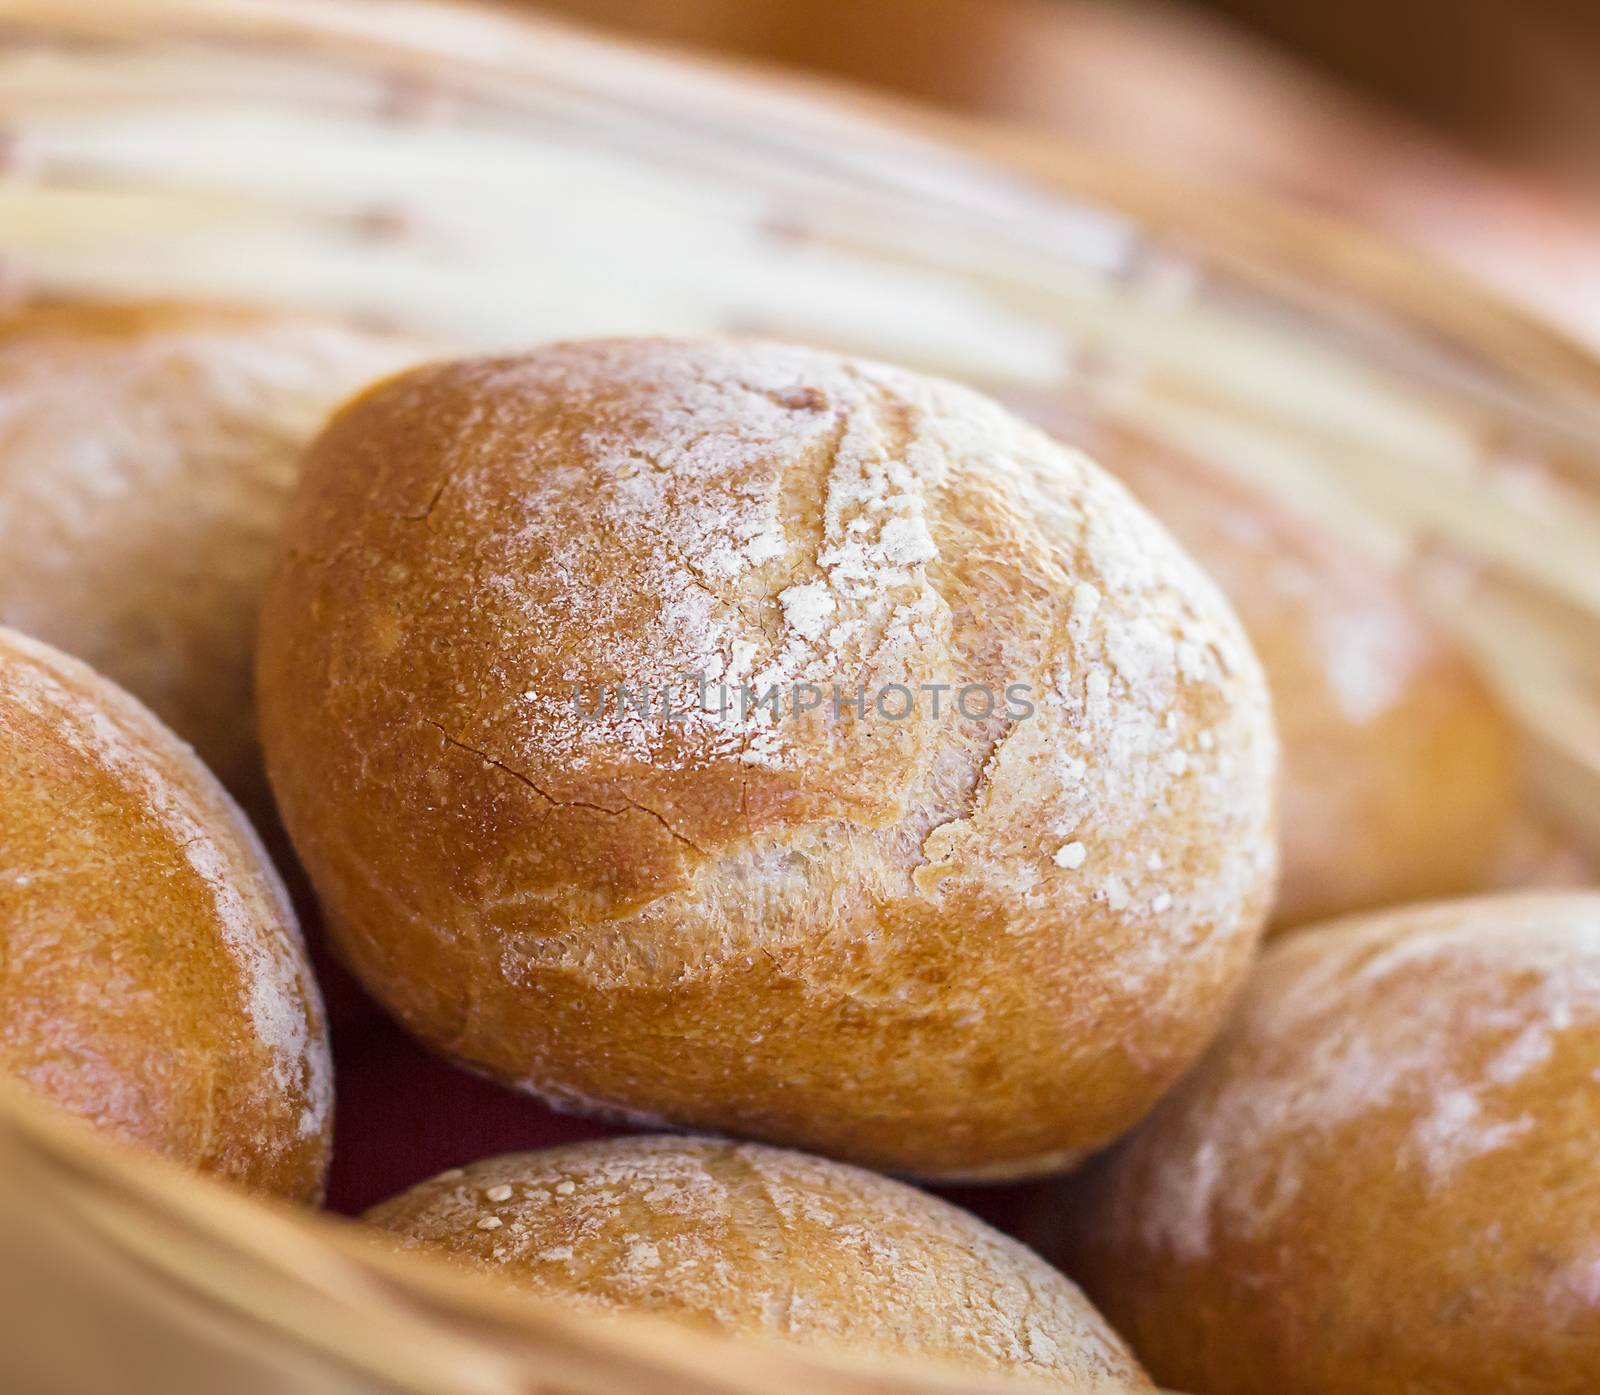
(118, 1272)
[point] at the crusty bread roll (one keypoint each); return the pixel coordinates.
(146, 451)
(152, 976)
(1383, 1176)
(974, 943)
(1400, 771)
(758, 1241)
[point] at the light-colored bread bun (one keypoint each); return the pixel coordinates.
(152, 976)
(756, 1241)
(1383, 1176)
(1400, 770)
(966, 944)
(146, 452)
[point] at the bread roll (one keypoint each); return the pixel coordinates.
(974, 943)
(764, 1242)
(1382, 1178)
(152, 976)
(1400, 773)
(146, 452)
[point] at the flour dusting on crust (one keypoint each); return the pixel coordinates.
(1425, 1011)
(704, 476)
(761, 1241)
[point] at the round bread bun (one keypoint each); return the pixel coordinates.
(1382, 1177)
(756, 1241)
(1400, 769)
(152, 976)
(146, 452)
(977, 944)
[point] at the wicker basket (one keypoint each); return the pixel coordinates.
(495, 179)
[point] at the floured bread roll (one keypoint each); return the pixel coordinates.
(757, 1241)
(146, 451)
(152, 976)
(972, 939)
(1382, 1177)
(1400, 775)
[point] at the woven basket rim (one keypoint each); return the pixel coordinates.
(1292, 250)
(208, 1233)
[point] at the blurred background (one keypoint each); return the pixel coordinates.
(1469, 129)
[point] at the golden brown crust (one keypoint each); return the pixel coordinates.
(874, 938)
(756, 1241)
(152, 976)
(1382, 1177)
(146, 452)
(1399, 766)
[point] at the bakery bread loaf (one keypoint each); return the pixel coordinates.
(146, 451)
(1382, 1177)
(757, 1241)
(1400, 770)
(152, 976)
(517, 671)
